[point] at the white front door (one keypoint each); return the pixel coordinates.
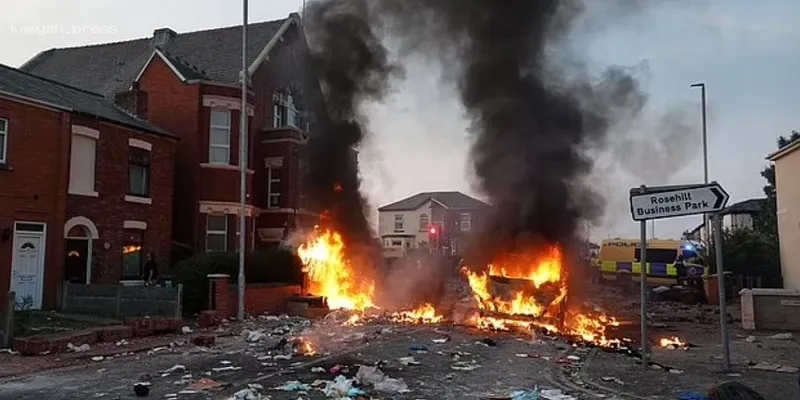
(27, 268)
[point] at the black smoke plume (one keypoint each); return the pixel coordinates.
(353, 66)
(535, 109)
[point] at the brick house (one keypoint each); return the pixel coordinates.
(192, 81)
(435, 220)
(87, 188)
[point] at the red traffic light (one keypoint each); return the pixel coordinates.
(432, 230)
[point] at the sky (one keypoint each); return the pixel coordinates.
(742, 50)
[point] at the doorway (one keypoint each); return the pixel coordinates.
(27, 267)
(77, 258)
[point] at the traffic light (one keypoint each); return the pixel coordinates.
(432, 230)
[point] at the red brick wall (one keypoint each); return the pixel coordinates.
(176, 107)
(34, 185)
(258, 298)
(261, 298)
(110, 210)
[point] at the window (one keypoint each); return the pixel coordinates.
(82, 165)
(423, 222)
(216, 233)
(466, 222)
(665, 256)
(438, 220)
(274, 188)
(139, 172)
(3, 141)
(398, 222)
(220, 137)
(132, 255)
(284, 112)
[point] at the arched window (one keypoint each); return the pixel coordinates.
(423, 222)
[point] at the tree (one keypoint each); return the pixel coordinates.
(750, 252)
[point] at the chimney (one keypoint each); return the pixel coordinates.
(134, 101)
(163, 36)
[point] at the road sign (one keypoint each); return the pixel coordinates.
(675, 201)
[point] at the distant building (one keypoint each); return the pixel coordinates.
(736, 216)
(787, 183)
(438, 221)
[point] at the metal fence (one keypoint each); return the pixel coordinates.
(122, 301)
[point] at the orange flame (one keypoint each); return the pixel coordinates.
(673, 342)
(425, 314)
(544, 274)
(329, 273)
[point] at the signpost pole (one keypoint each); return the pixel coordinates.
(643, 284)
(723, 314)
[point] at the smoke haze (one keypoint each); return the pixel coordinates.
(537, 111)
(353, 67)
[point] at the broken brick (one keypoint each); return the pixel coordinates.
(204, 340)
(209, 318)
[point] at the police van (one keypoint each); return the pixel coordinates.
(666, 260)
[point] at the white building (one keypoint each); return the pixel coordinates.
(432, 220)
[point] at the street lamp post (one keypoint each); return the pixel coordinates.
(243, 168)
(702, 86)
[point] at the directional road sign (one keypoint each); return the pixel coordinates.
(675, 201)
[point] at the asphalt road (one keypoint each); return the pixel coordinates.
(509, 363)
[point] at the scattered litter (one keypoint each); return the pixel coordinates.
(526, 394)
(613, 379)
(661, 289)
(186, 330)
(522, 355)
(781, 336)
(487, 342)
(341, 387)
(318, 370)
(98, 358)
(408, 361)
(751, 339)
(9, 351)
(675, 371)
(573, 358)
(442, 340)
(465, 366)
(764, 366)
(555, 394)
(417, 347)
(246, 394)
(336, 369)
(293, 386)
(78, 349)
(382, 383)
(226, 368)
(204, 384)
(170, 370)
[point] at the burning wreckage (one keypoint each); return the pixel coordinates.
(521, 293)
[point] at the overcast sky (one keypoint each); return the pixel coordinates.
(745, 51)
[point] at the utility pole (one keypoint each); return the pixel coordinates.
(243, 167)
(706, 220)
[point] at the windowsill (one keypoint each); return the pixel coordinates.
(5, 167)
(87, 194)
(229, 167)
(139, 200)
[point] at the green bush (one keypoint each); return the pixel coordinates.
(272, 265)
